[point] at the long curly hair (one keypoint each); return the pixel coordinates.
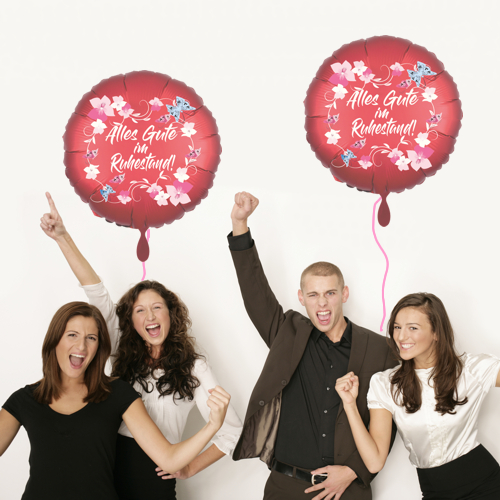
(405, 383)
(133, 361)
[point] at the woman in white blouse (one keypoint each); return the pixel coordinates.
(434, 397)
(152, 350)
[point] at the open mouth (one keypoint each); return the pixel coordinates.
(405, 347)
(324, 317)
(76, 360)
(153, 330)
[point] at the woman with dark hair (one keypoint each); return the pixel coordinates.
(152, 350)
(73, 414)
(434, 397)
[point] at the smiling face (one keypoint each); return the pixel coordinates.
(323, 297)
(77, 348)
(414, 337)
(151, 319)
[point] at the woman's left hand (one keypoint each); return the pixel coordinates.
(180, 474)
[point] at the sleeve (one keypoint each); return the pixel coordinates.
(99, 296)
(15, 404)
(261, 304)
(124, 395)
(241, 242)
(484, 368)
(227, 436)
(379, 395)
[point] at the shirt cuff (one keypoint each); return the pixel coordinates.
(241, 242)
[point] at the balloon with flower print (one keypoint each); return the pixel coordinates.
(141, 149)
(383, 115)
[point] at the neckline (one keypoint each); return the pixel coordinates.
(67, 414)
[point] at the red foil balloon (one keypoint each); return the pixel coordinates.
(141, 149)
(382, 114)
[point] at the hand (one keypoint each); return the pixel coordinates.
(338, 480)
(218, 403)
(51, 223)
(347, 387)
(180, 474)
(244, 205)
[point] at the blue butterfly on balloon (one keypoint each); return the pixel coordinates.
(422, 70)
(182, 105)
(107, 191)
(346, 157)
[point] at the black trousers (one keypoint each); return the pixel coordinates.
(135, 475)
(474, 476)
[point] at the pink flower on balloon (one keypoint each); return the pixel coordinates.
(365, 162)
(402, 163)
(359, 67)
(92, 171)
(419, 156)
(154, 190)
(422, 139)
(126, 111)
(333, 136)
(161, 198)
(124, 197)
(98, 126)
(118, 102)
(367, 76)
(156, 104)
(342, 74)
(397, 69)
(178, 192)
(181, 174)
(102, 108)
(429, 94)
(395, 155)
(340, 91)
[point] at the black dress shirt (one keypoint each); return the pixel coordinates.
(310, 402)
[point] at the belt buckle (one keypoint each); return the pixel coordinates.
(318, 478)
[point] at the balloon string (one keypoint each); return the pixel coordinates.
(386, 261)
(144, 264)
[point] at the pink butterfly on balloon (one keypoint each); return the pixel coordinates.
(194, 153)
(91, 154)
(359, 144)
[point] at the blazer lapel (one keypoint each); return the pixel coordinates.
(304, 330)
(357, 357)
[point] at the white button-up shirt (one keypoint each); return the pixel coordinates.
(431, 438)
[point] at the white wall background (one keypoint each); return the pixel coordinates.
(252, 63)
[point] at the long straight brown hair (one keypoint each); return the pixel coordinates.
(50, 387)
(405, 383)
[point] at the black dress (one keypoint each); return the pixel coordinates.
(72, 456)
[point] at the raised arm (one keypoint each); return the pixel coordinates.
(260, 302)
(373, 446)
(53, 226)
(173, 457)
(9, 426)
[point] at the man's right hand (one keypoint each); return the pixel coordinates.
(244, 205)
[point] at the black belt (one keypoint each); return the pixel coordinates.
(302, 474)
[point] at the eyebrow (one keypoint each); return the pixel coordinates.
(331, 290)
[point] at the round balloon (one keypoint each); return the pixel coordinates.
(382, 114)
(141, 149)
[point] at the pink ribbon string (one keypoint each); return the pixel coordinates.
(144, 264)
(386, 261)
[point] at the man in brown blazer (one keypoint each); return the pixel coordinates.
(295, 421)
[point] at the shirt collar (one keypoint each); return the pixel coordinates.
(346, 339)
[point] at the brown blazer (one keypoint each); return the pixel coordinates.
(286, 334)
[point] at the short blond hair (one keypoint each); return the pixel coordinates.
(322, 269)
